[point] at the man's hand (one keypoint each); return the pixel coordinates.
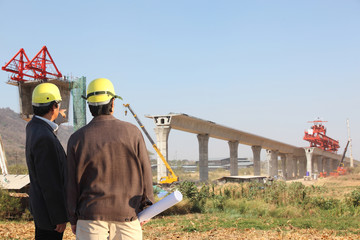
(144, 222)
(73, 229)
(62, 112)
(60, 227)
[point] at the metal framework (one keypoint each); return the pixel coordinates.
(317, 137)
(17, 66)
(41, 67)
(41, 63)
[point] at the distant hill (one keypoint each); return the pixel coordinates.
(12, 131)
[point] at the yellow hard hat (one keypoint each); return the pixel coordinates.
(100, 91)
(44, 94)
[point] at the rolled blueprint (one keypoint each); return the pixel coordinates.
(160, 206)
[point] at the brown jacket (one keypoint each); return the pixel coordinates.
(109, 172)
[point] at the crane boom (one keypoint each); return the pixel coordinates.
(170, 178)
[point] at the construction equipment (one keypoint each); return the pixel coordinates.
(24, 69)
(171, 177)
(350, 140)
(317, 137)
(341, 170)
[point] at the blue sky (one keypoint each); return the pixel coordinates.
(264, 67)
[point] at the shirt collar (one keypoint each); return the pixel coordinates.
(53, 125)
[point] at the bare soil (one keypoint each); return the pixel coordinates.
(338, 187)
(26, 230)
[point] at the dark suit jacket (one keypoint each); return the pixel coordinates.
(46, 161)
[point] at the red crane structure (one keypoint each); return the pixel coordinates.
(41, 67)
(317, 137)
(27, 74)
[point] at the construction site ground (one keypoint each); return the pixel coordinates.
(172, 229)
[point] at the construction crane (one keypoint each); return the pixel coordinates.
(341, 167)
(350, 140)
(317, 137)
(171, 177)
(23, 69)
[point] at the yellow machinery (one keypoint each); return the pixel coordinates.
(171, 177)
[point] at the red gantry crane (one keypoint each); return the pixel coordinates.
(41, 67)
(317, 137)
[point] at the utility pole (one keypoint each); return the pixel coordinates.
(350, 141)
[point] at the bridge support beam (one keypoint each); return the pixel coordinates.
(162, 135)
(327, 165)
(272, 158)
(302, 167)
(320, 164)
(256, 153)
(203, 156)
(289, 165)
(296, 167)
(309, 163)
(234, 168)
(334, 165)
(283, 166)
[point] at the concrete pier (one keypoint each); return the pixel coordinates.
(319, 160)
(272, 158)
(309, 166)
(289, 166)
(256, 154)
(283, 166)
(234, 168)
(162, 135)
(203, 156)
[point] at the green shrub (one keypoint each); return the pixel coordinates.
(18, 169)
(324, 203)
(188, 189)
(354, 197)
(10, 207)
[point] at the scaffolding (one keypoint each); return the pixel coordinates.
(79, 104)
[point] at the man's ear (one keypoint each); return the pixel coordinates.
(112, 105)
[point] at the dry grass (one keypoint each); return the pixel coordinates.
(338, 186)
(12, 230)
(173, 227)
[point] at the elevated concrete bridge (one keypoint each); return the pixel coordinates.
(295, 161)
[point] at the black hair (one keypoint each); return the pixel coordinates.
(42, 110)
(104, 109)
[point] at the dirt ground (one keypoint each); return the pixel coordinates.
(26, 231)
(338, 187)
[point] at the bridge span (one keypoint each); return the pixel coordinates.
(295, 161)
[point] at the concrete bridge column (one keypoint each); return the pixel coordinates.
(203, 156)
(320, 167)
(302, 166)
(296, 167)
(289, 165)
(327, 166)
(283, 165)
(334, 165)
(234, 168)
(309, 163)
(256, 153)
(272, 156)
(162, 135)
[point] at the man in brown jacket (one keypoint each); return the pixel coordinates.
(109, 172)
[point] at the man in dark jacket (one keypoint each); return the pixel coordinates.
(46, 159)
(109, 172)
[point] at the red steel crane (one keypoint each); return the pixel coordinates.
(317, 137)
(41, 67)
